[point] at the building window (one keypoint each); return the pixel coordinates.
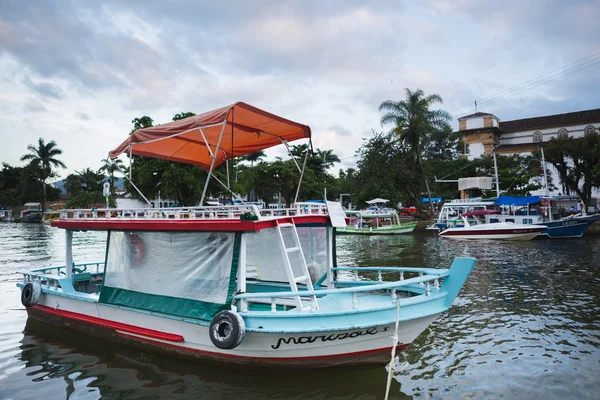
(590, 130)
(563, 134)
(537, 137)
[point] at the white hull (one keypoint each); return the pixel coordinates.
(325, 348)
(494, 231)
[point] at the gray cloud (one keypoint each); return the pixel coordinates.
(82, 116)
(44, 89)
(340, 130)
(34, 106)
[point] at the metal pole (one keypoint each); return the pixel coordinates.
(496, 173)
(69, 254)
(301, 175)
(130, 160)
(212, 164)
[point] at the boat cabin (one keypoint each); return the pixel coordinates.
(192, 266)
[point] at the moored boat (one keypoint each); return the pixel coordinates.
(6, 215)
(235, 284)
(375, 220)
(491, 231)
(32, 212)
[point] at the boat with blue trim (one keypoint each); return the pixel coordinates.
(235, 284)
(537, 210)
(32, 212)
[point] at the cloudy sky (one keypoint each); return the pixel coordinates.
(78, 72)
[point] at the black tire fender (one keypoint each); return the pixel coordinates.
(30, 295)
(227, 330)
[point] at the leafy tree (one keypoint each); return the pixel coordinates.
(142, 122)
(413, 122)
(43, 159)
(183, 115)
(577, 162)
(73, 184)
(91, 181)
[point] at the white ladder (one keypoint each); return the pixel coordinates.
(294, 280)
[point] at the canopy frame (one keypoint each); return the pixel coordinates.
(183, 145)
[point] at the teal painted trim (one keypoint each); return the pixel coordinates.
(459, 271)
(235, 261)
(161, 315)
(105, 259)
(334, 248)
(321, 280)
(375, 286)
(163, 304)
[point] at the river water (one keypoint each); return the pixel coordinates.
(525, 326)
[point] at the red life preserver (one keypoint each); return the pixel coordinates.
(545, 201)
(138, 247)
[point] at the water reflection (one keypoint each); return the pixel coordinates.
(86, 368)
(525, 326)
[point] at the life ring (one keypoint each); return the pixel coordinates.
(138, 248)
(227, 330)
(31, 293)
(545, 201)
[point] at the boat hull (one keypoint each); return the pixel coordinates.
(33, 216)
(365, 347)
(492, 234)
(569, 228)
(391, 230)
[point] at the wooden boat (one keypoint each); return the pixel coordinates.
(235, 284)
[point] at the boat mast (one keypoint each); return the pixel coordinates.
(496, 172)
(545, 172)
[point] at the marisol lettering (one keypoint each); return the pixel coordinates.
(327, 338)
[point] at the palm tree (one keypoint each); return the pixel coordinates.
(414, 121)
(257, 155)
(110, 167)
(42, 158)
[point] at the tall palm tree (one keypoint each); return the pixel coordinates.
(413, 121)
(252, 157)
(43, 159)
(110, 167)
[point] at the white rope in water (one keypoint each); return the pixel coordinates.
(395, 341)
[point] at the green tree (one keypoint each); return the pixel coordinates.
(110, 167)
(141, 123)
(183, 115)
(577, 162)
(253, 157)
(413, 122)
(91, 181)
(73, 184)
(43, 159)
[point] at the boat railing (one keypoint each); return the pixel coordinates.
(55, 277)
(428, 279)
(197, 212)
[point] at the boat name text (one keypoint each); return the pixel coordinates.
(327, 338)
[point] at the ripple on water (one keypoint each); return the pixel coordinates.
(525, 326)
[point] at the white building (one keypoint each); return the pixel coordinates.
(482, 130)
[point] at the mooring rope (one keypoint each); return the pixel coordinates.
(395, 341)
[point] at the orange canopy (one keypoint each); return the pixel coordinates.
(247, 130)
